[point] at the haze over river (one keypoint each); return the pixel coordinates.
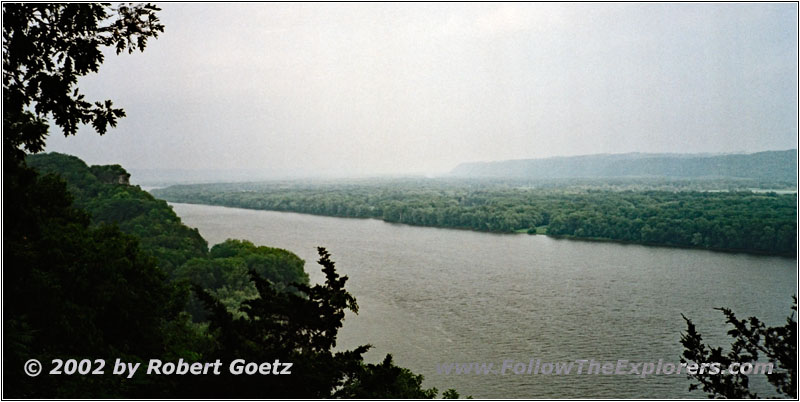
(432, 296)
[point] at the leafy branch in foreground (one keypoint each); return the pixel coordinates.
(46, 48)
(751, 337)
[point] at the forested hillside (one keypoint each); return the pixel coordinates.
(771, 166)
(180, 251)
(127, 278)
(104, 192)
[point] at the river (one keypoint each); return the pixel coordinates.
(432, 296)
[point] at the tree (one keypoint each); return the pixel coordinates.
(300, 328)
(46, 47)
(751, 338)
(386, 380)
(74, 290)
(69, 289)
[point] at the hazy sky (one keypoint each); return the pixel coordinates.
(366, 89)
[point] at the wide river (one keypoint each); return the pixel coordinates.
(431, 296)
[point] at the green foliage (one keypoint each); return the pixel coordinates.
(71, 289)
(751, 338)
(225, 273)
(274, 264)
(729, 220)
(385, 380)
(104, 193)
(299, 327)
(180, 251)
(46, 48)
(290, 327)
(452, 394)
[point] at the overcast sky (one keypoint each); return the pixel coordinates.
(369, 89)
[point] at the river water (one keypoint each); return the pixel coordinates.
(431, 296)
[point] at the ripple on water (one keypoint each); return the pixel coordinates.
(432, 295)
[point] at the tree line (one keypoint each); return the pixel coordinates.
(757, 222)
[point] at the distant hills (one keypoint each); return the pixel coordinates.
(770, 165)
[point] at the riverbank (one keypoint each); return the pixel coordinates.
(539, 230)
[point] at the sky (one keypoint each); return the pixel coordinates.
(299, 89)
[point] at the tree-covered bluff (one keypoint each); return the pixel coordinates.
(122, 277)
(104, 193)
(770, 166)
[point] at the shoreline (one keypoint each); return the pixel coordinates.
(556, 237)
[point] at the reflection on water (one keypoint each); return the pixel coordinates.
(432, 295)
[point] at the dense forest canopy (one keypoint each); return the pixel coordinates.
(725, 220)
(180, 251)
(102, 191)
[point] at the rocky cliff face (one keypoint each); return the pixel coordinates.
(111, 174)
(75, 170)
(124, 179)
